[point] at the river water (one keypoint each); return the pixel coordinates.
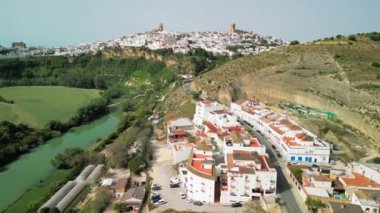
(30, 168)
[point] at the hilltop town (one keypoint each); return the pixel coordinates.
(231, 42)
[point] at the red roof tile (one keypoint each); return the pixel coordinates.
(178, 132)
(211, 127)
(359, 180)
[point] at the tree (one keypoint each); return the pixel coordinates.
(295, 42)
(136, 164)
(118, 207)
(352, 37)
(297, 172)
(314, 204)
(119, 156)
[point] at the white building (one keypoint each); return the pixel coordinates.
(178, 130)
(246, 176)
(294, 142)
(201, 174)
(368, 200)
(242, 141)
(180, 151)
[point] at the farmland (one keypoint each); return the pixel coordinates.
(37, 105)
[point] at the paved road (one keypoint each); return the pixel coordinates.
(283, 187)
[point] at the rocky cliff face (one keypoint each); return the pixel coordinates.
(332, 77)
(135, 52)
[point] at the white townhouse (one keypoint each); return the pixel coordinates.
(295, 143)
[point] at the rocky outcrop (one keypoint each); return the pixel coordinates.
(136, 52)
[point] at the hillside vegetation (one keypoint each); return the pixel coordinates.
(337, 75)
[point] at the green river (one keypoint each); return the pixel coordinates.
(32, 167)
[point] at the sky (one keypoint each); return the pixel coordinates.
(68, 22)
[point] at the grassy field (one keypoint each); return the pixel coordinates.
(37, 105)
(38, 193)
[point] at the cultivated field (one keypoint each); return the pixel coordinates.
(37, 105)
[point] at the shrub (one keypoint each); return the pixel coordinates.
(297, 172)
(295, 42)
(375, 64)
(352, 37)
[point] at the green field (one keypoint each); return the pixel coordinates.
(38, 193)
(37, 105)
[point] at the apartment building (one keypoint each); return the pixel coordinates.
(295, 143)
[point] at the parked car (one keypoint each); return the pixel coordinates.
(332, 162)
(188, 200)
(182, 195)
(174, 185)
(198, 203)
(156, 187)
(156, 198)
(237, 204)
(154, 193)
(160, 202)
(273, 147)
(174, 180)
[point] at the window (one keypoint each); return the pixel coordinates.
(292, 158)
(299, 158)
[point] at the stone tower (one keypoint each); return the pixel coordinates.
(160, 27)
(232, 28)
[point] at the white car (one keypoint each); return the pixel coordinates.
(160, 202)
(174, 180)
(188, 200)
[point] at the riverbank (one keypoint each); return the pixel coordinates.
(38, 193)
(28, 170)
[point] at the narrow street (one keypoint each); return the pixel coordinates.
(284, 188)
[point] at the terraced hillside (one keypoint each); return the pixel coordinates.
(340, 76)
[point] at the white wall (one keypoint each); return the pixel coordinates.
(199, 188)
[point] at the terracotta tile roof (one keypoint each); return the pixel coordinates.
(359, 180)
(195, 166)
(276, 129)
(289, 124)
(264, 163)
(254, 143)
(322, 178)
(234, 128)
(211, 126)
(198, 165)
(178, 132)
(304, 137)
(338, 185)
(230, 161)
